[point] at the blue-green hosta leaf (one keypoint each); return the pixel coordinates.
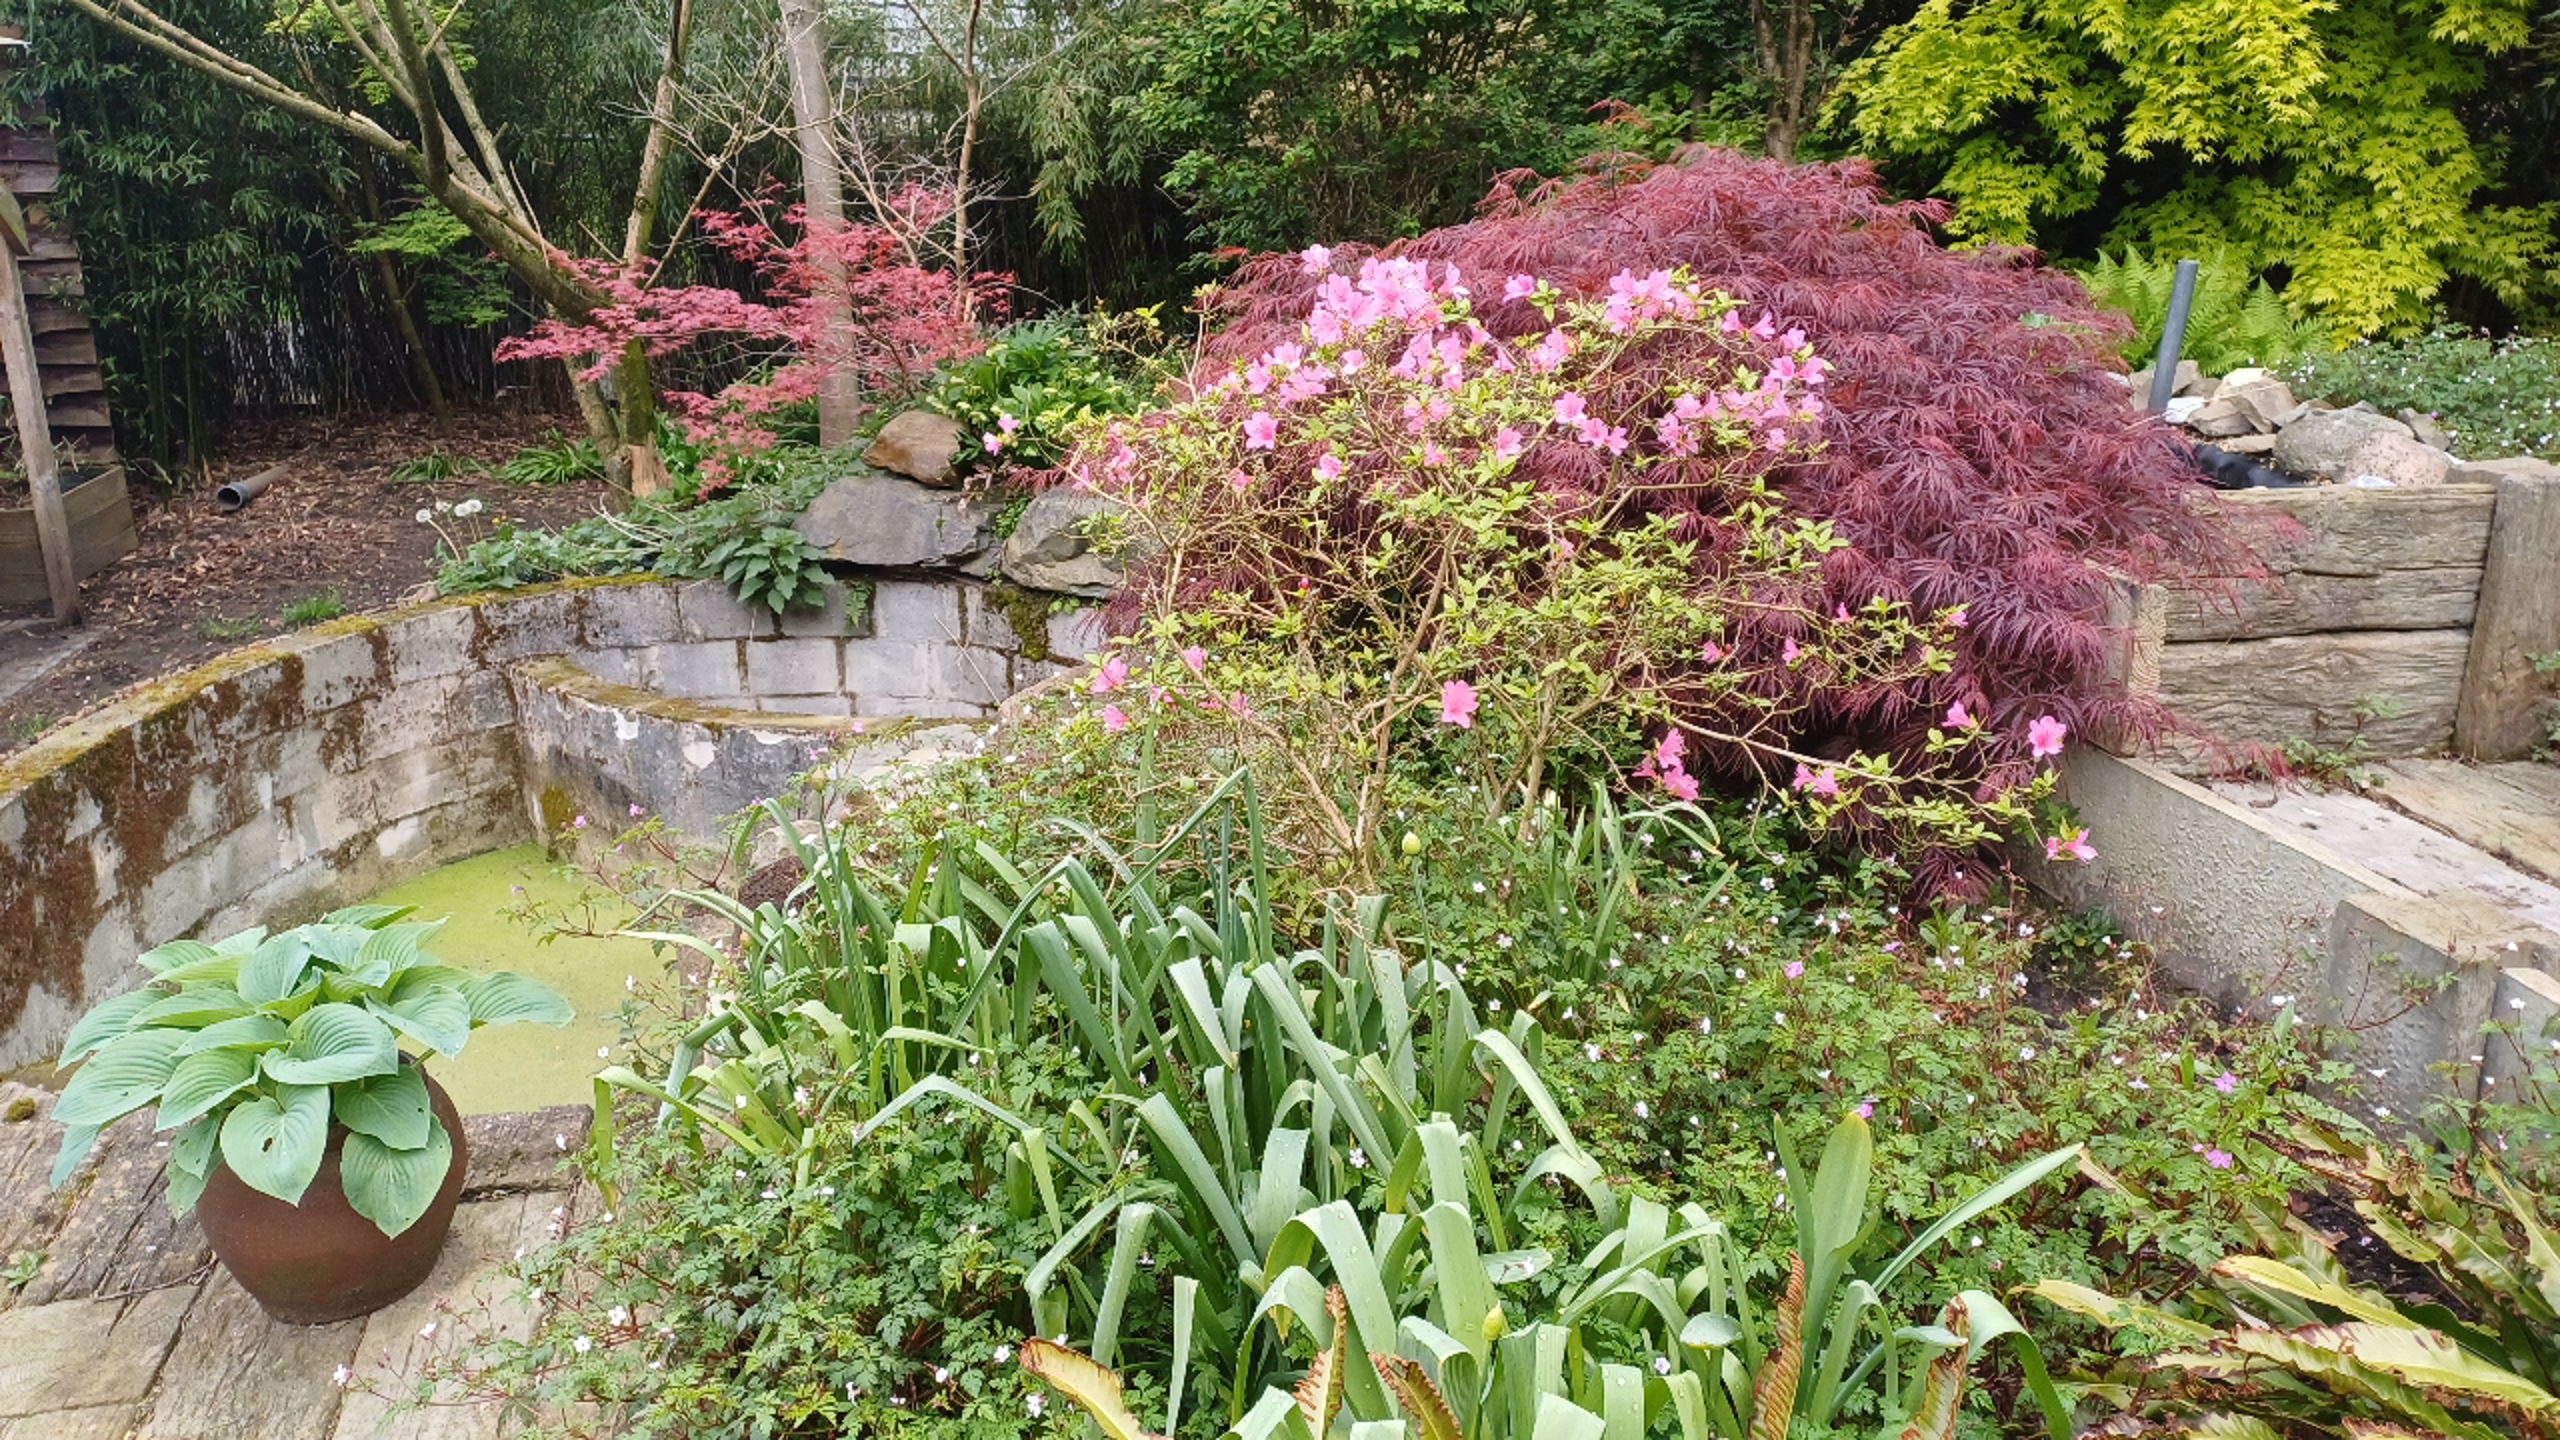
(367, 917)
(249, 1032)
(77, 1141)
(104, 1022)
(214, 969)
(274, 1143)
(291, 1007)
(434, 1016)
(191, 1164)
(274, 970)
(335, 946)
(244, 944)
(395, 948)
(122, 1077)
(331, 1043)
(161, 959)
(391, 1108)
(202, 1081)
(392, 1188)
(194, 1008)
(502, 998)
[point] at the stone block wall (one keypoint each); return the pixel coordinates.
(286, 779)
(2370, 595)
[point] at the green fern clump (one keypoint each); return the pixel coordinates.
(2233, 322)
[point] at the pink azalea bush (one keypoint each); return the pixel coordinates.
(1348, 523)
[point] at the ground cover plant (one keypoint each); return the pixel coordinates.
(1974, 462)
(981, 1078)
(2494, 397)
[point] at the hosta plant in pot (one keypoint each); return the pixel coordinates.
(318, 1156)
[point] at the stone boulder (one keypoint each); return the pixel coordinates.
(2423, 425)
(920, 445)
(1054, 546)
(2321, 442)
(2243, 408)
(889, 520)
(2399, 459)
(2190, 379)
(2490, 472)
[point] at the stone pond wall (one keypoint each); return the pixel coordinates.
(2371, 595)
(285, 779)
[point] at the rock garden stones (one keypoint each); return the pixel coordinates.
(919, 445)
(1055, 544)
(2254, 431)
(891, 521)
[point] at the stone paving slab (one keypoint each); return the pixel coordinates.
(98, 1422)
(79, 1354)
(2401, 849)
(2511, 810)
(234, 1372)
(466, 1297)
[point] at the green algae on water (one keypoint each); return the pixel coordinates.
(525, 1067)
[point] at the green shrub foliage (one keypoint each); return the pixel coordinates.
(2230, 321)
(2321, 138)
(2494, 397)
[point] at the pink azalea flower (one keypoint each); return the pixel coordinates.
(1006, 424)
(1680, 784)
(1569, 408)
(2044, 736)
(1329, 468)
(993, 442)
(1955, 617)
(1113, 674)
(1237, 707)
(1458, 704)
(1350, 361)
(2076, 846)
(1520, 287)
(1958, 717)
(1114, 719)
(1817, 782)
(1316, 258)
(1711, 652)
(1506, 443)
(1195, 657)
(1160, 693)
(1790, 654)
(1261, 432)
(1239, 481)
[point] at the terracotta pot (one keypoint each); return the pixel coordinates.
(320, 1261)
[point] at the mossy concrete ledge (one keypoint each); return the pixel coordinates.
(284, 779)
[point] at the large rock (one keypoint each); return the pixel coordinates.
(2399, 459)
(2189, 379)
(889, 520)
(919, 444)
(2490, 472)
(2321, 442)
(1054, 546)
(2242, 408)
(2424, 426)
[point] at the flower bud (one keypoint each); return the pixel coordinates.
(1412, 843)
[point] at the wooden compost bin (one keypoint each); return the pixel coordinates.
(101, 518)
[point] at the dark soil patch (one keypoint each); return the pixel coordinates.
(335, 524)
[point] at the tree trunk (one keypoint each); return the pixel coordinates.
(813, 124)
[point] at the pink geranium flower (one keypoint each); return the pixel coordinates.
(1114, 719)
(1261, 432)
(1458, 704)
(2045, 735)
(1113, 674)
